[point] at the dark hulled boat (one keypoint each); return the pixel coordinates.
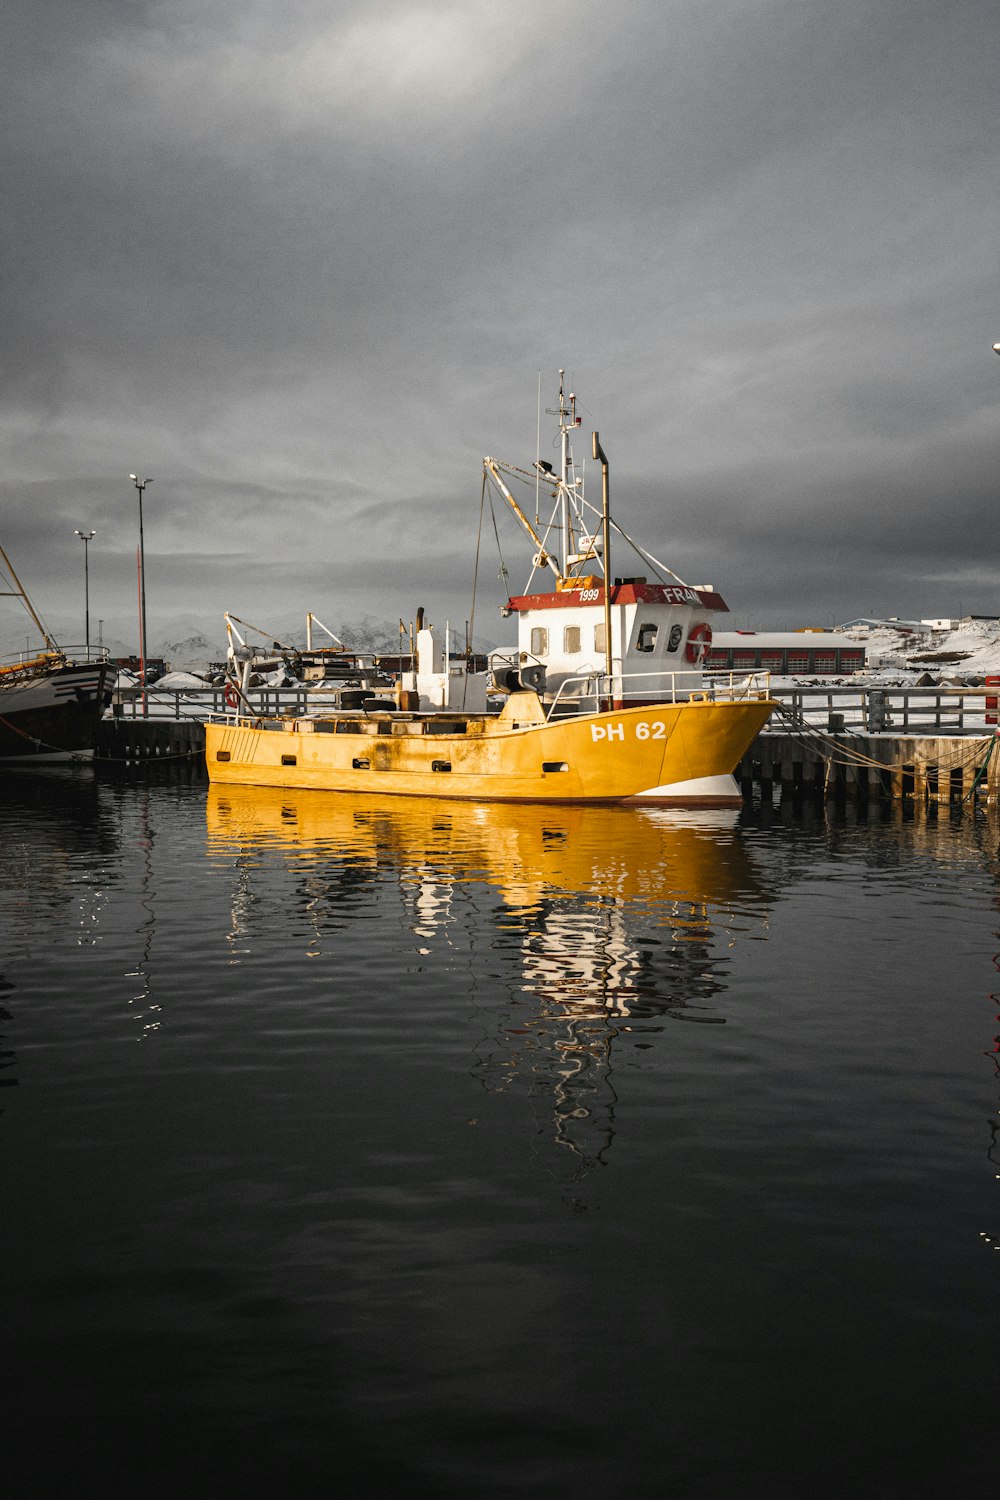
(50, 703)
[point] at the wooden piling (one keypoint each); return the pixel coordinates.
(859, 766)
(131, 741)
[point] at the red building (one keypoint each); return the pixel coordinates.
(786, 653)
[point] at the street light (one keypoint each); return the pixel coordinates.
(140, 485)
(86, 538)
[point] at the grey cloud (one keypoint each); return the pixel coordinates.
(303, 264)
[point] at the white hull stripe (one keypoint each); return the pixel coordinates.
(707, 788)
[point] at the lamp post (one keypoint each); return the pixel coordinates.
(86, 538)
(140, 485)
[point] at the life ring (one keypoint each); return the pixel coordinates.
(699, 643)
(231, 696)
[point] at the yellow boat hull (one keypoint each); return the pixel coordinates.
(516, 756)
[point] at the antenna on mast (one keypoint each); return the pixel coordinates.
(568, 420)
(538, 444)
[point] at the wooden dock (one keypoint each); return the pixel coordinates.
(927, 768)
(128, 741)
(853, 746)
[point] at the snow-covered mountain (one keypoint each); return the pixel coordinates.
(187, 642)
(898, 651)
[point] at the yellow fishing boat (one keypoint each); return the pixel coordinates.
(604, 698)
(517, 755)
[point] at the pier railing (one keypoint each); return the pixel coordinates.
(867, 709)
(929, 744)
(202, 703)
(893, 710)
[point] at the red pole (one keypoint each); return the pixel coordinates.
(142, 635)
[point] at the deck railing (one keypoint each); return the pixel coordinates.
(210, 702)
(639, 688)
(30, 657)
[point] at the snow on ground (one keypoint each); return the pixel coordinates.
(179, 680)
(957, 658)
(962, 655)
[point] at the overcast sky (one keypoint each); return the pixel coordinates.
(302, 262)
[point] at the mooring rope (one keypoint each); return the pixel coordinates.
(981, 771)
(833, 752)
(33, 739)
(845, 755)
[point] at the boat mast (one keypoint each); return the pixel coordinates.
(564, 488)
(568, 422)
(600, 455)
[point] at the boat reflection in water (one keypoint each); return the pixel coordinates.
(623, 918)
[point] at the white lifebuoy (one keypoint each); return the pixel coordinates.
(699, 643)
(231, 696)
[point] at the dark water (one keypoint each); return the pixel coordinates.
(364, 1148)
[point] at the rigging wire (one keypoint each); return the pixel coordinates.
(527, 478)
(538, 445)
(503, 574)
(982, 771)
(7, 574)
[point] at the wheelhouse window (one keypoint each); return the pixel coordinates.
(600, 641)
(646, 638)
(539, 641)
(571, 640)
